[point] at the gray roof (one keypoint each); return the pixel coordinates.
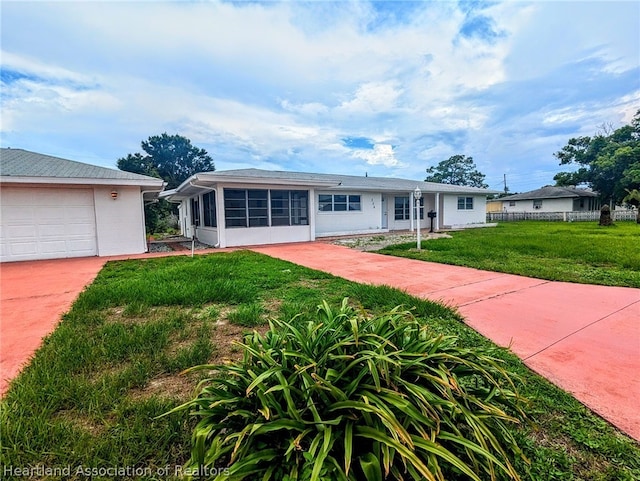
(551, 192)
(333, 181)
(23, 164)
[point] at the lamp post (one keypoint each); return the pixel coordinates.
(417, 195)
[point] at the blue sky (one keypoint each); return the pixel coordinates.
(383, 88)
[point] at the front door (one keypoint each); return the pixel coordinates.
(385, 214)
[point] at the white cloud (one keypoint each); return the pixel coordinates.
(373, 97)
(381, 154)
(281, 84)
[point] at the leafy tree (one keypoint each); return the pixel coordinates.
(456, 170)
(609, 162)
(633, 198)
(172, 158)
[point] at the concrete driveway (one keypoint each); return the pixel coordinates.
(583, 338)
(33, 297)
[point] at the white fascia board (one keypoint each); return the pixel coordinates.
(238, 179)
(158, 184)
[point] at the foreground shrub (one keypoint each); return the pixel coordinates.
(346, 397)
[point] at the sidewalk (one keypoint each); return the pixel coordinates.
(583, 338)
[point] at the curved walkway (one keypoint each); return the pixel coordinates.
(583, 338)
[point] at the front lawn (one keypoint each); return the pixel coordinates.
(581, 252)
(88, 404)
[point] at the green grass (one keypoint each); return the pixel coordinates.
(580, 252)
(93, 393)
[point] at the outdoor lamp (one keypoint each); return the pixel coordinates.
(114, 194)
(417, 195)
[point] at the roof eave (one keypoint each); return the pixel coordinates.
(240, 179)
(159, 184)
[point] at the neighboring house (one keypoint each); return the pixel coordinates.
(252, 207)
(552, 199)
(494, 205)
(55, 208)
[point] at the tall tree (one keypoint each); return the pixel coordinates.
(456, 170)
(171, 157)
(608, 162)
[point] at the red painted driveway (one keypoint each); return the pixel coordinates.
(34, 295)
(583, 338)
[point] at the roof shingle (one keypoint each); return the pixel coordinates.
(551, 192)
(23, 163)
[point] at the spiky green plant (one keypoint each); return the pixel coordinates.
(348, 397)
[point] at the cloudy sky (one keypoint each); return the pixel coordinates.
(384, 88)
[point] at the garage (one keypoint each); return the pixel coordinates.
(46, 223)
(53, 208)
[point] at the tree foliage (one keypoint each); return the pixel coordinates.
(456, 170)
(633, 198)
(171, 157)
(609, 162)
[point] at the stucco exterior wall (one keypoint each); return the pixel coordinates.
(119, 222)
(374, 216)
(451, 216)
(368, 219)
(548, 205)
(266, 235)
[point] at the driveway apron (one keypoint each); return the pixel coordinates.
(583, 338)
(34, 295)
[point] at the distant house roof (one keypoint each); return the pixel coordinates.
(552, 193)
(329, 181)
(23, 166)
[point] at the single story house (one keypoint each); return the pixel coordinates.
(552, 199)
(55, 208)
(252, 207)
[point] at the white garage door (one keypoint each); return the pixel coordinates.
(46, 223)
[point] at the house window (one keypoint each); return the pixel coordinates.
(339, 203)
(209, 204)
(289, 207)
(465, 203)
(537, 204)
(235, 207)
(401, 208)
(195, 212)
(254, 207)
(258, 208)
(512, 203)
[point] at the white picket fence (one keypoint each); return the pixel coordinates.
(576, 216)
